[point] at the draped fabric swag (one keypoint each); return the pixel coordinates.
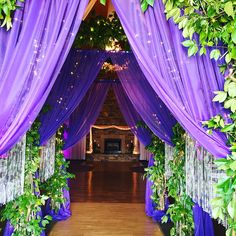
(184, 84)
(76, 77)
(147, 103)
(31, 56)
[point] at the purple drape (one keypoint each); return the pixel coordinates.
(130, 115)
(76, 76)
(86, 113)
(184, 84)
(149, 204)
(31, 56)
(64, 212)
(203, 225)
(150, 107)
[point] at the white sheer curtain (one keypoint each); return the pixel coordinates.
(79, 150)
(144, 154)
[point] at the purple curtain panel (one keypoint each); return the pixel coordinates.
(31, 56)
(185, 85)
(203, 225)
(146, 102)
(76, 77)
(86, 113)
(130, 115)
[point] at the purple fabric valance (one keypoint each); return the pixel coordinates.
(185, 85)
(31, 56)
(76, 77)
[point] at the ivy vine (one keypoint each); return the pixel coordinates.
(214, 23)
(55, 185)
(180, 211)
(24, 212)
(212, 20)
(156, 173)
(224, 205)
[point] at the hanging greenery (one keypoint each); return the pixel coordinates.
(55, 185)
(180, 211)
(224, 206)
(212, 20)
(156, 173)
(99, 32)
(214, 23)
(24, 212)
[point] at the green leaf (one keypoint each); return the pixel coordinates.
(233, 106)
(231, 209)
(229, 9)
(215, 54)
(233, 166)
(144, 5)
(220, 97)
(188, 43)
(150, 2)
(202, 51)
(228, 58)
(192, 50)
(228, 128)
(233, 53)
(229, 103)
(233, 36)
(103, 2)
(232, 89)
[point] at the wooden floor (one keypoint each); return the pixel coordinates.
(107, 200)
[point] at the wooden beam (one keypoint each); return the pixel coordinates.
(89, 8)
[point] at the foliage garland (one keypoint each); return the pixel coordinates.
(214, 23)
(180, 211)
(55, 185)
(156, 173)
(24, 212)
(212, 20)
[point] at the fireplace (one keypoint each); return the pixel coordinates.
(112, 146)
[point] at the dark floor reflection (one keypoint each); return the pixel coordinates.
(107, 182)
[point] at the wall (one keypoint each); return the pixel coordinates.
(111, 115)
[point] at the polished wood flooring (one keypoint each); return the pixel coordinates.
(107, 200)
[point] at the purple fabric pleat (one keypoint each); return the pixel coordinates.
(184, 84)
(64, 212)
(9, 229)
(145, 101)
(203, 225)
(31, 56)
(130, 115)
(86, 113)
(76, 77)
